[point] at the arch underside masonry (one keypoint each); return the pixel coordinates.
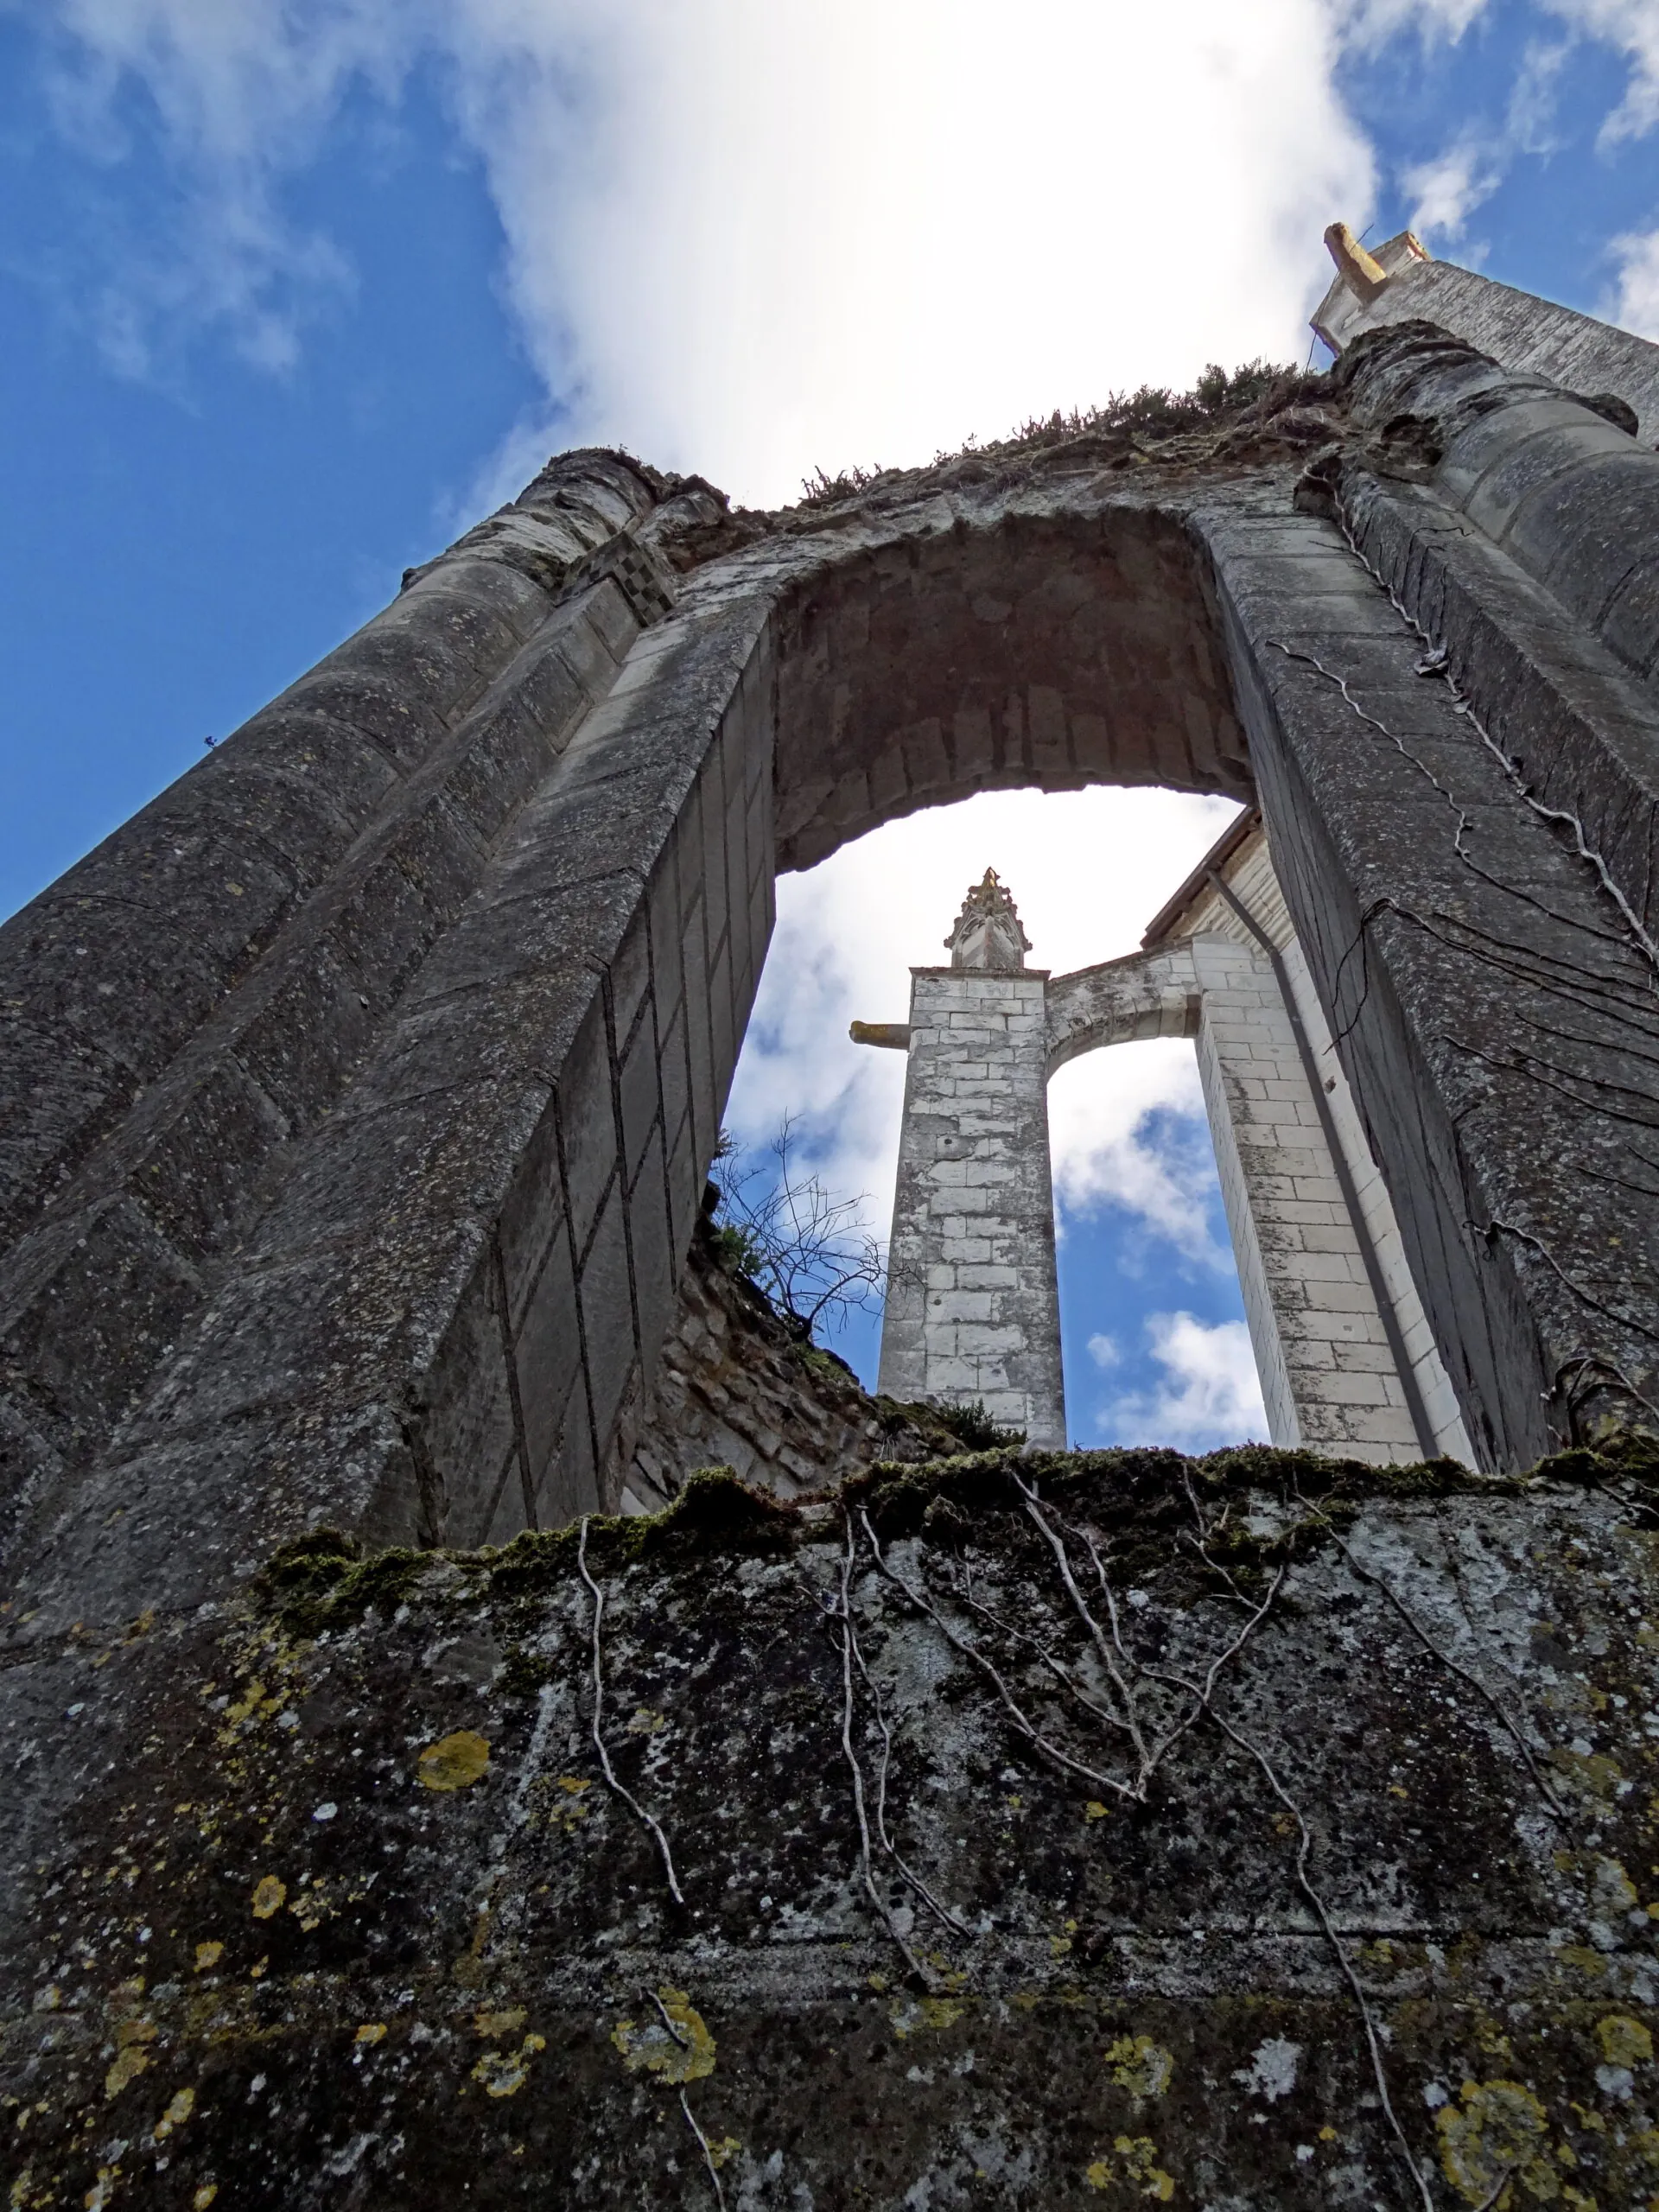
(372, 1215)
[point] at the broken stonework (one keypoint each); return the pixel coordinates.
(740, 1387)
(1246, 1832)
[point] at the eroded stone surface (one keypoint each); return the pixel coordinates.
(359, 1920)
(739, 1387)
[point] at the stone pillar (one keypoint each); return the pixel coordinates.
(1401, 282)
(973, 1304)
(1345, 1355)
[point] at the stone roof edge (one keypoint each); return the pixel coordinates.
(1237, 833)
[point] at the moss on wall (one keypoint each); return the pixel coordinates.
(1055, 1830)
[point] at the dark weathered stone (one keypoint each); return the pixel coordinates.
(370, 1915)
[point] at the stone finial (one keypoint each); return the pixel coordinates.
(988, 934)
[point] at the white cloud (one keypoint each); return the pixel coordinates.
(751, 238)
(1128, 1131)
(241, 94)
(1209, 1394)
(1446, 191)
(1632, 27)
(1635, 304)
(1104, 1351)
(857, 230)
(1368, 24)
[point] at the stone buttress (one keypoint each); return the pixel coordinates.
(973, 1303)
(1345, 1356)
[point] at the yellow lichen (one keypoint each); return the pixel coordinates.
(267, 1896)
(454, 1762)
(721, 2148)
(1592, 1773)
(910, 2014)
(375, 2031)
(102, 2190)
(131, 2057)
(506, 2023)
(1094, 1810)
(675, 2046)
(1497, 2133)
(1581, 1956)
(1625, 2042)
(175, 2115)
(205, 2195)
(1142, 2067)
(1138, 2158)
(208, 1956)
(573, 1808)
(503, 2073)
(645, 1722)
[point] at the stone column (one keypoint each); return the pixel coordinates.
(1346, 1358)
(973, 1305)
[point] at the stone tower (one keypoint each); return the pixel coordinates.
(973, 1306)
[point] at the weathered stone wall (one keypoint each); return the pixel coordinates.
(1320, 1302)
(738, 1388)
(1537, 336)
(396, 1263)
(1250, 1833)
(973, 1311)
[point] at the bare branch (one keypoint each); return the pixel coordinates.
(810, 1251)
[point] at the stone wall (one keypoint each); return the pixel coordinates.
(1297, 1854)
(738, 1387)
(973, 1302)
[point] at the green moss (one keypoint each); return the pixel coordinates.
(321, 1582)
(1142, 1501)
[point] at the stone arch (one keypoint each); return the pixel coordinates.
(1071, 641)
(383, 1229)
(1152, 994)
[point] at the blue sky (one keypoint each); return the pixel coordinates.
(292, 289)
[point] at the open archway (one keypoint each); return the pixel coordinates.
(393, 1181)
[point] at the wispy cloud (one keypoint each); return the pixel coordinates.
(1446, 190)
(1130, 1138)
(1209, 1394)
(1368, 24)
(751, 238)
(1632, 28)
(1635, 302)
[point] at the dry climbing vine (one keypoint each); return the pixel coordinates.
(612, 1782)
(1586, 989)
(1120, 1713)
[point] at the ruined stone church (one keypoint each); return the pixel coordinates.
(490, 1715)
